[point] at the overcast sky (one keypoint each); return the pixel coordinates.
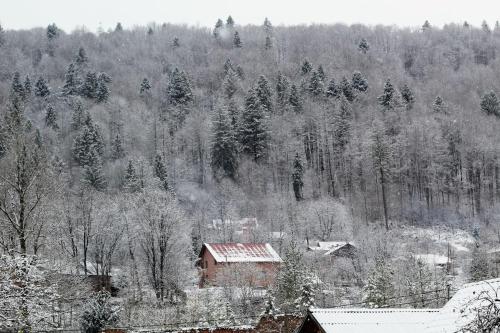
(68, 14)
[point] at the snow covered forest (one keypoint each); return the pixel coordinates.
(119, 149)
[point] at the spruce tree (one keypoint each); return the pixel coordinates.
(485, 27)
(51, 118)
(479, 269)
(264, 94)
(131, 182)
(86, 142)
(224, 153)
(307, 296)
(41, 88)
(179, 90)
(363, 46)
(294, 99)
(438, 106)
(92, 171)
(73, 82)
(386, 99)
(321, 73)
(150, 31)
(407, 97)
(282, 90)
(17, 88)
(98, 313)
(237, 40)
(230, 22)
(333, 90)
(490, 104)
(268, 27)
(342, 126)
(290, 277)
(52, 32)
(240, 72)
(117, 150)
(81, 58)
(90, 85)
(27, 87)
(426, 25)
(78, 116)
(306, 67)
(218, 26)
(145, 87)
(268, 44)
(102, 91)
(160, 171)
(118, 27)
(346, 88)
(297, 177)
(359, 82)
(176, 43)
(316, 87)
(380, 290)
(230, 84)
(228, 65)
(253, 132)
(2, 36)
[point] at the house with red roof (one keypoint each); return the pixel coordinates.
(259, 262)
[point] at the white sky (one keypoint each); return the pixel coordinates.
(68, 14)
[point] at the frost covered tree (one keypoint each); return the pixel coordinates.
(333, 90)
(145, 87)
(98, 313)
(316, 86)
(160, 171)
(102, 90)
(407, 97)
(17, 88)
(306, 67)
(490, 104)
(27, 87)
(41, 88)
(229, 22)
(218, 26)
(290, 277)
(117, 150)
(438, 106)
(237, 40)
(89, 86)
(73, 82)
(268, 27)
(131, 182)
(282, 85)
(92, 174)
(307, 296)
(386, 99)
(81, 58)
(253, 132)
(26, 294)
(347, 90)
(230, 84)
(363, 46)
(179, 89)
(78, 117)
(224, 153)
(479, 269)
(294, 99)
(264, 94)
(176, 42)
(268, 43)
(87, 142)
(118, 27)
(51, 118)
(359, 82)
(297, 176)
(379, 289)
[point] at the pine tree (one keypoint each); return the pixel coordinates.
(253, 133)
(268, 44)
(41, 88)
(27, 87)
(145, 87)
(316, 87)
(73, 82)
(359, 82)
(438, 105)
(342, 126)
(117, 150)
(297, 176)
(306, 300)
(52, 32)
(131, 182)
(380, 289)
(230, 84)
(230, 22)
(160, 171)
(98, 313)
(294, 99)
(51, 118)
(179, 89)
(290, 277)
(237, 40)
(176, 43)
(426, 25)
(234, 115)
(228, 65)
(485, 27)
(90, 85)
(306, 67)
(263, 91)
(81, 58)
(268, 27)
(87, 142)
(386, 99)
(240, 72)
(150, 31)
(102, 92)
(321, 73)
(490, 104)
(407, 97)
(479, 269)
(224, 153)
(118, 27)
(363, 46)
(78, 116)
(2, 36)
(17, 88)
(218, 26)
(346, 88)
(333, 89)
(282, 90)
(92, 171)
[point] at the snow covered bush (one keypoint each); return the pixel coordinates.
(98, 313)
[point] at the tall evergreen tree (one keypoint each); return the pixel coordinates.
(218, 26)
(253, 132)
(230, 22)
(316, 87)
(363, 46)
(131, 182)
(81, 58)
(145, 87)
(2, 36)
(290, 277)
(73, 82)
(92, 172)
(386, 99)
(160, 171)
(41, 88)
(333, 89)
(321, 73)
(380, 289)
(297, 177)
(407, 97)
(306, 67)
(176, 42)
(359, 82)
(90, 85)
(224, 153)
(52, 32)
(17, 88)
(490, 104)
(346, 88)
(438, 105)
(86, 142)
(282, 85)
(268, 27)
(118, 27)
(342, 126)
(51, 118)
(150, 31)
(102, 92)
(78, 117)
(179, 90)
(230, 84)
(237, 40)
(294, 99)
(264, 94)
(27, 87)
(117, 150)
(268, 44)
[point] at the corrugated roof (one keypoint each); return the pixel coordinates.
(243, 252)
(459, 311)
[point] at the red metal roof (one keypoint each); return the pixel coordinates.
(243, 252)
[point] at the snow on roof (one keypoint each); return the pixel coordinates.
(458, 312)
(243, 252)
(328, 246)
(433, 259)
(360, 320)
